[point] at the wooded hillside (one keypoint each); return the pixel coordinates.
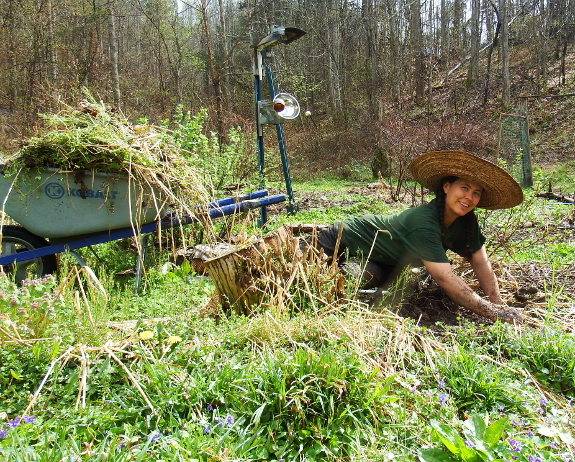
(375, 74)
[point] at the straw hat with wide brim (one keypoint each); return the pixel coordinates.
(500, 190)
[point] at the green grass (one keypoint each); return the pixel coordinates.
(152, 376)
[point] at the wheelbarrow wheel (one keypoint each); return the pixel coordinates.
(17, 239)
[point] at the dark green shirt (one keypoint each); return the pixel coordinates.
(407, 237)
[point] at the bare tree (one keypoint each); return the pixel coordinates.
(475, 38)
(417, 50)
(492, 46)
(114, 58)
(505, 77)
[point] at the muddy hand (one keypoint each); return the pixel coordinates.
(509, 315)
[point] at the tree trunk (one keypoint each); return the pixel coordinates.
(215, 74)
(475, 38)
(334, 39)
(370, 22)
(417, 50)
(225, 52)
(114, 59)
(505, 78)
(494, 43)
(444, 41)
(542, 35)
(243, 277)
(458, 26)
(53, 58)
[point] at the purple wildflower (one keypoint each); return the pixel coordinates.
(3, 434)
(229, 419)
(207, 430)
(154, 437)
(500, 407)
(534, 459)
(209, 407)
(442, 399)
(469, 444)
(28, 419)
(13, 423)
(515, 445)
(440, 383)
(543, 402)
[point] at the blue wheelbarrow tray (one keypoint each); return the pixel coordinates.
(57, 204)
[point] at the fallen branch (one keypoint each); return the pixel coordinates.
(557, 197)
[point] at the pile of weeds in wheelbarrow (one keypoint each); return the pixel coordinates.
(94, 137)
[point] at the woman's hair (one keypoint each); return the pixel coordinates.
(470, 218)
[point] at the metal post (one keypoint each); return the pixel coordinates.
(278, 34)
(292, 206)
(257, 71)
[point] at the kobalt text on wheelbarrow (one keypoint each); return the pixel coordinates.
(55, 215)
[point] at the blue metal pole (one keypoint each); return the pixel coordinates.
(113, 235)
(292, 206)
(260, 134)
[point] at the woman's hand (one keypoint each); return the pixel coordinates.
(463, 295)
(507, 314)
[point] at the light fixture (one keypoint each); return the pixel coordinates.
(283, 107)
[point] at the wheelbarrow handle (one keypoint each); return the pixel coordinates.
(117, 234)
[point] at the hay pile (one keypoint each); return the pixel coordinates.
(94, 138)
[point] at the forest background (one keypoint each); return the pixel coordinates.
(392, 76)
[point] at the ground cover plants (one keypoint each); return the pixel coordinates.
(154, 380)
(316, 372)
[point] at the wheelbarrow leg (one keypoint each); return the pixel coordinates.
(79, 259)
(141, 258)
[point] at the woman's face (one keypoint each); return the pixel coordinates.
(461, 197)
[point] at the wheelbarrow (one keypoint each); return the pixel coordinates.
(60, 211)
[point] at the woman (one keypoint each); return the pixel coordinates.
(422, 235)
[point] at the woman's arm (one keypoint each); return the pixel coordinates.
(485, 275)
(461, 293)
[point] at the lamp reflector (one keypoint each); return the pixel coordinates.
(286, 106)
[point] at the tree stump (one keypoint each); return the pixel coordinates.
(244, 276)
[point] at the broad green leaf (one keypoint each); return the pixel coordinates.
(476, 424)
(448, 436)
(547, 431)
(482, 449)
(15, 375)
(552, 432)
(469, 454)
(436, 455)
(565, 436)
(257, 416)
(495, 431)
